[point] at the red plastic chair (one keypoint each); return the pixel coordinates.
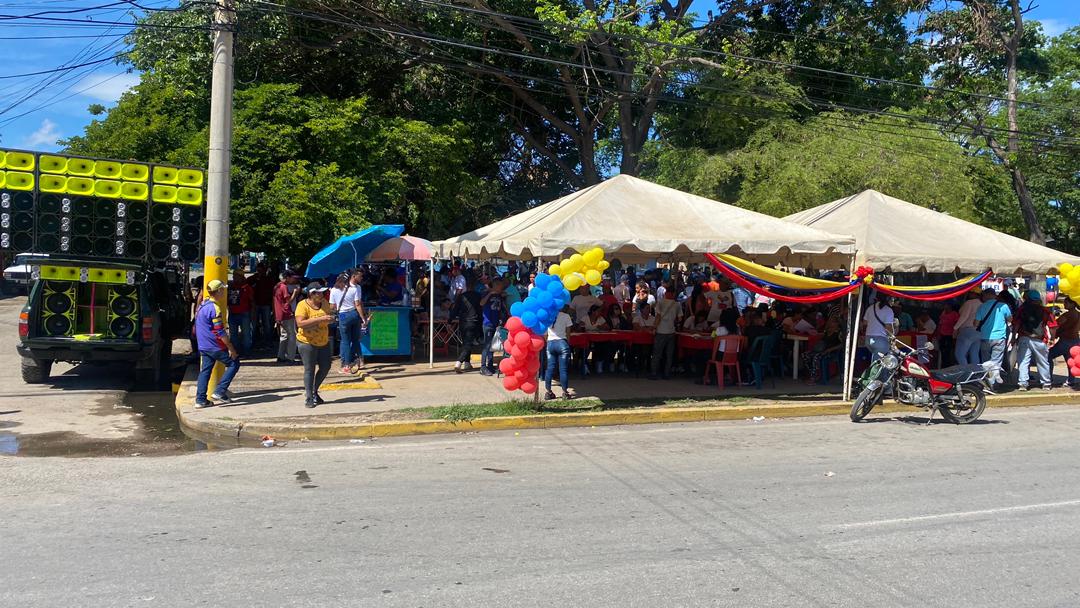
(728, 358)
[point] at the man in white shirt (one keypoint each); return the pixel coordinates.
(661, 291)
(622, 291)
(457, 283)
(668, 312)
(582, 302)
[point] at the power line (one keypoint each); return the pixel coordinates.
(432, 38)
(67, 68)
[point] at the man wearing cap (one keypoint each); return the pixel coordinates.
(1033, 327)
(214, 347)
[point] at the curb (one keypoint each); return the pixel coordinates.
(660, 415)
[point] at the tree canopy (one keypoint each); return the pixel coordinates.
(444, 116)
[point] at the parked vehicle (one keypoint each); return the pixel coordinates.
(958, 392)
(17, 276)
(81, 311)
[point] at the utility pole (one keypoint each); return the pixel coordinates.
(216, 262)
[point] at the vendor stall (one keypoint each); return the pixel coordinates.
(389, 332)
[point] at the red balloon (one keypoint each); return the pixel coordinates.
(511, 383)
(536, 344)
(519, 353)
(513, 324)
(1075, 371)
(528, 387)
(522, 339)
(521, 374)
(506, 366)
(532, 365)
(1075, 352)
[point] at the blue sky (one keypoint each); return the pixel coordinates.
(36, 111)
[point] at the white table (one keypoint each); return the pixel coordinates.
(797, 339)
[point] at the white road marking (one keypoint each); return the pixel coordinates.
(906, 520)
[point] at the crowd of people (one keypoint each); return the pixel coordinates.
(273, 311)
(301, 323)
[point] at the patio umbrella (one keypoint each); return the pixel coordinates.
(351, 250)
(402, 248)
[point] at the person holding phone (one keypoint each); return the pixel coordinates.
(313, 318)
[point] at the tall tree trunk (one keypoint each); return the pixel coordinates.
(1027, 205)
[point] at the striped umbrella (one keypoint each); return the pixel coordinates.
(402, 248)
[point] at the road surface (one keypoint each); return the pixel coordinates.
(84, 410)
(812, 512)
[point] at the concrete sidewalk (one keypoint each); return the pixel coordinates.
(269, 401)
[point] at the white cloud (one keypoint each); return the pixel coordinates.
(46, 135)
(106, 87)
(1054, 27)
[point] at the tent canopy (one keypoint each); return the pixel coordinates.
(634, 220)
(402, 248)
(350, 250)
(897, 235)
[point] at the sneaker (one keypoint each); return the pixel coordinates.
(458, 369)
(548, 396)
(486, 372)
(569, 394)
(1047, 388)
(1022, 388)
(203, 404)
(219, 398)
(310, 403)
(346, 371)
(319, 400)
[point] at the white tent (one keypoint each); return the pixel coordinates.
(634, 220)
(894, 234)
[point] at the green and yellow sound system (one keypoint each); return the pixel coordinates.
(123, 312)
(85, 207)
(58, 311)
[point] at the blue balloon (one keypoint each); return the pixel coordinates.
(1052, 283)
(516, 309)
(528, 318)
(543, 315)
(565, 296)
(539, 329)
(530, 305)
(555, 287)
(545, 299)
(542, 280)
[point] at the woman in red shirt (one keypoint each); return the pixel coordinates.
(945, 327)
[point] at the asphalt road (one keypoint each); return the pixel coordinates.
(83, 410)
(812, 512)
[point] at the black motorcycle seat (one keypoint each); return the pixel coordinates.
(957, 373)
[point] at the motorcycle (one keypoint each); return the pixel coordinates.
(958, 392)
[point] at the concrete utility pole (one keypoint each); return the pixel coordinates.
(216, 262)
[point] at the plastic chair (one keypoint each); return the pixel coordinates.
(729, 357)
(761, 363)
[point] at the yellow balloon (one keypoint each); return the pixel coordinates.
(1064, 269)
(593, 256)
(555, 270)
(593, 277)
(1074, 276)
(573, 263)
(571, 282)
(1065, 286)
(603, 265)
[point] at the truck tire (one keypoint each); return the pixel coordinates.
(36, 371)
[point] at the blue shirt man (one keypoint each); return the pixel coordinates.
(214, 347)
(993, 319)
(741, 298)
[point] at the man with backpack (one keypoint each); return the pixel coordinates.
(1033, 327)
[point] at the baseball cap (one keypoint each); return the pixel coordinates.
(1034, 295)
(313, 287)
(214, 285)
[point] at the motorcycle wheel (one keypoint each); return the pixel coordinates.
(865, 402)
(974, 402)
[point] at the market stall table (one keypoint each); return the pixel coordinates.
(389, 332)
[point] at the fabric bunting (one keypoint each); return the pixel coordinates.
(777, 284)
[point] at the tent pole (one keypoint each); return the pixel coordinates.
(431, 313)
(855, 340)
(848, 340)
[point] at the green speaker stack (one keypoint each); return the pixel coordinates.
(58, 308)
(123, 313)
(94, 208)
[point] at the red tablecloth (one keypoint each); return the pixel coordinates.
(584, 339)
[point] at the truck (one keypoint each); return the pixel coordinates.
(98, 312)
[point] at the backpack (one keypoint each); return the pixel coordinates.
(1033, 321)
